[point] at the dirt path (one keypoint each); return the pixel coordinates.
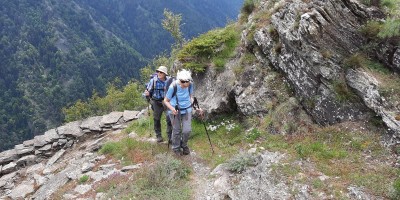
(201, 183)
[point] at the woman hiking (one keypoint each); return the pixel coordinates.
(178, 99)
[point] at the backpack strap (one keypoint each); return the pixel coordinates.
(176, 96)
(155, 78)
(175, 89)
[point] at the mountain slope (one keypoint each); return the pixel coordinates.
(56, 52)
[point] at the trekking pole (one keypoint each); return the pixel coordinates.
(172, 125)
(196, 105)
(148, 113)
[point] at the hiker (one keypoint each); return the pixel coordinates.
(179, 100)
(155, 91)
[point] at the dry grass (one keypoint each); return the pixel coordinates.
(348, 154)
(389, 87)
(58, 195)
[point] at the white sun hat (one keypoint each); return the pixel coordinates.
(184, 75)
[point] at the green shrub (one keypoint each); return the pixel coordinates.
(356, 60)
(166, 170)
(165, 178)
(111, 148)
(216, 45)
(240, 162)
(83, 179)
(371, 29)
(248, 7)
(390, 28)
(127, 98)
(219, 63)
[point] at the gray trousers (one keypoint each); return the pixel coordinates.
(159, 108)
(181, 124)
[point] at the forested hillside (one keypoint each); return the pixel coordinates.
(56, 52)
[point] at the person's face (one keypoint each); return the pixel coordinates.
(161, 75)
(184, 84)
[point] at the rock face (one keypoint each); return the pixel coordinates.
(53, 143)
(37, 168)
(308, 42)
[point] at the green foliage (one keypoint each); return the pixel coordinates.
(248, 7)
(319, 150)
(392, 5)
(166, 179)
(172, 23)
(240, 162)
(129, 150)
(226, 133)
(217, 45)
(391, 28)
(148, 70)
(253, 135)
(166, 170)
(355, 61)
(371, 29)
(396, 187)
(83, 179)
(129, 98)
(359, 60)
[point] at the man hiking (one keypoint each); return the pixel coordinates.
(179, 100)
(155, 91)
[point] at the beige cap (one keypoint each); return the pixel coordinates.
(162, 69)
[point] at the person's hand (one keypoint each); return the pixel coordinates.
(200, 112)
(174, 112)
(147, 93)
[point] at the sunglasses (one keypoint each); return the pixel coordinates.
(184, 81)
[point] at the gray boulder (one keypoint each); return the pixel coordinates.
(71, 129)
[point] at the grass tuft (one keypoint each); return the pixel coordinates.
(83, 179)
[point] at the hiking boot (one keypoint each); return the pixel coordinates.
(160, 139)
(186, 150)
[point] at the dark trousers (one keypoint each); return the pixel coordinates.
(159, 108)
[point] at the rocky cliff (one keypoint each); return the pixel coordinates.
(306, 44)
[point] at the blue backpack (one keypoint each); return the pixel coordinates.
(151, 86)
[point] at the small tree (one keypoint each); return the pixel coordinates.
(172, 23)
